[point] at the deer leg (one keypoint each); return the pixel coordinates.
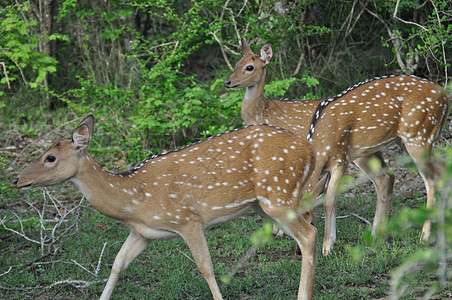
(276, 231)
(330, 209)
(131, 248)
(311, 218)
(305, 235)
(384, 184)
(422, 159)
(196, 241)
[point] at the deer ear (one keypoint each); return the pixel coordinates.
(266, 54)
(245, 47)
(83, 133)
(89, 121)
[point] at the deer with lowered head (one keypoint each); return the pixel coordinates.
(183, 192)
(354, 125)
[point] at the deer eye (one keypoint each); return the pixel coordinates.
(50, 158)
(249, 68)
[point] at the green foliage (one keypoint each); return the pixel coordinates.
(263, 236)
(261, 22)
(279, 88)
(427, 34)
(436, 255)
(167, 102)
(176, 103)
(19, 41)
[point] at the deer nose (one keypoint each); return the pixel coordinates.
(15, 182)
(227, 82)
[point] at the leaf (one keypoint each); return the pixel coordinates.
(61, 37)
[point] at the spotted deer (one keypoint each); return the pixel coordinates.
(354, 125)
(183, 192)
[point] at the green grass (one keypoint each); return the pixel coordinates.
(164, 272)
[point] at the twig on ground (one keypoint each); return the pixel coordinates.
(35, 260)
(354, 215)
(4, 273)
(189, 258)
(245, 257)
(97, 269)
(13, 288)
(361, 218)
(21, 234)
(50, 231)
(76, 283)
(100, 259)
(85, 269)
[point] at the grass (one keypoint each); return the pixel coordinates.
(165, 270)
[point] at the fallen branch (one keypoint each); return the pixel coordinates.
(356, 216)
(9, 270)
(96, 271)
(76, 283)
(242, 261)
(13, 288)
(36, 259)
(189, 258)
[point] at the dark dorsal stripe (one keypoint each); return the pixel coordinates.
(322, 105)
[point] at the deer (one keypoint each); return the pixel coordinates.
(183, 192)
(352, 126)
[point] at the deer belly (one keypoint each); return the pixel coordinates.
(223, 214)
(365, 148)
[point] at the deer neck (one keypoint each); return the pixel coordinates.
(97, 185)
(254, 102)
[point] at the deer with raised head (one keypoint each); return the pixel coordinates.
(183, 192)
(354, 125)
